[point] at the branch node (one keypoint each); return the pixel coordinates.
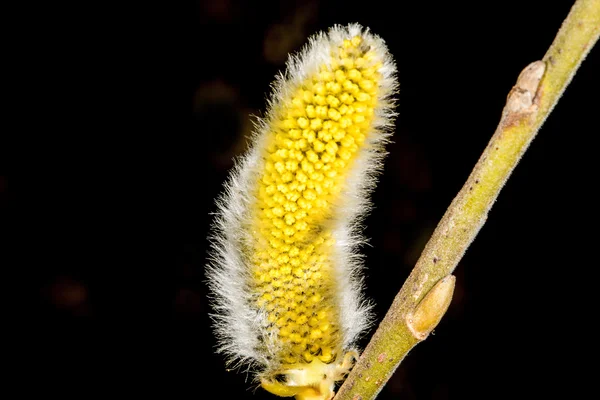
(431, 309)
(522, 99)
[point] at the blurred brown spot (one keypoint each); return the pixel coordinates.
(404, 210)
(187, 303)
(221, 11)
(286, 37)
(393, 242)
(215, 91)
(222, 120)
(68, 294)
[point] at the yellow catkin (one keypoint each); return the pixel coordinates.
(314, 141)
(283, 276)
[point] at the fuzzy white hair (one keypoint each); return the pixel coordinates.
(238, 323)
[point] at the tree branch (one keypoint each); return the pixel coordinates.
(427, 292)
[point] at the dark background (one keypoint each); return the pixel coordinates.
(142, 113)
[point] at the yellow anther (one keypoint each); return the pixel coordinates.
(316, 124)
(318, 146)
(348, 63)
(316, 334)
(319, 89)
(327, 355)
(333, 101)
(326, 76)
(354, 74)
(302, 123)
(321, 111)
(307, 356)
(334, 114)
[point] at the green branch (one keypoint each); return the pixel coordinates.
(427, 292)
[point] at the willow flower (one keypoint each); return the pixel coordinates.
(285, 270)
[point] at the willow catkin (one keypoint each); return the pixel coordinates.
(284, 271)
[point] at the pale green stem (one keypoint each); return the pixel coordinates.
(427, 292)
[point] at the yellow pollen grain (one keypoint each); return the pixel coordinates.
(316, 134)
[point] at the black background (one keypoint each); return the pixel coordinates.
(142, 111)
